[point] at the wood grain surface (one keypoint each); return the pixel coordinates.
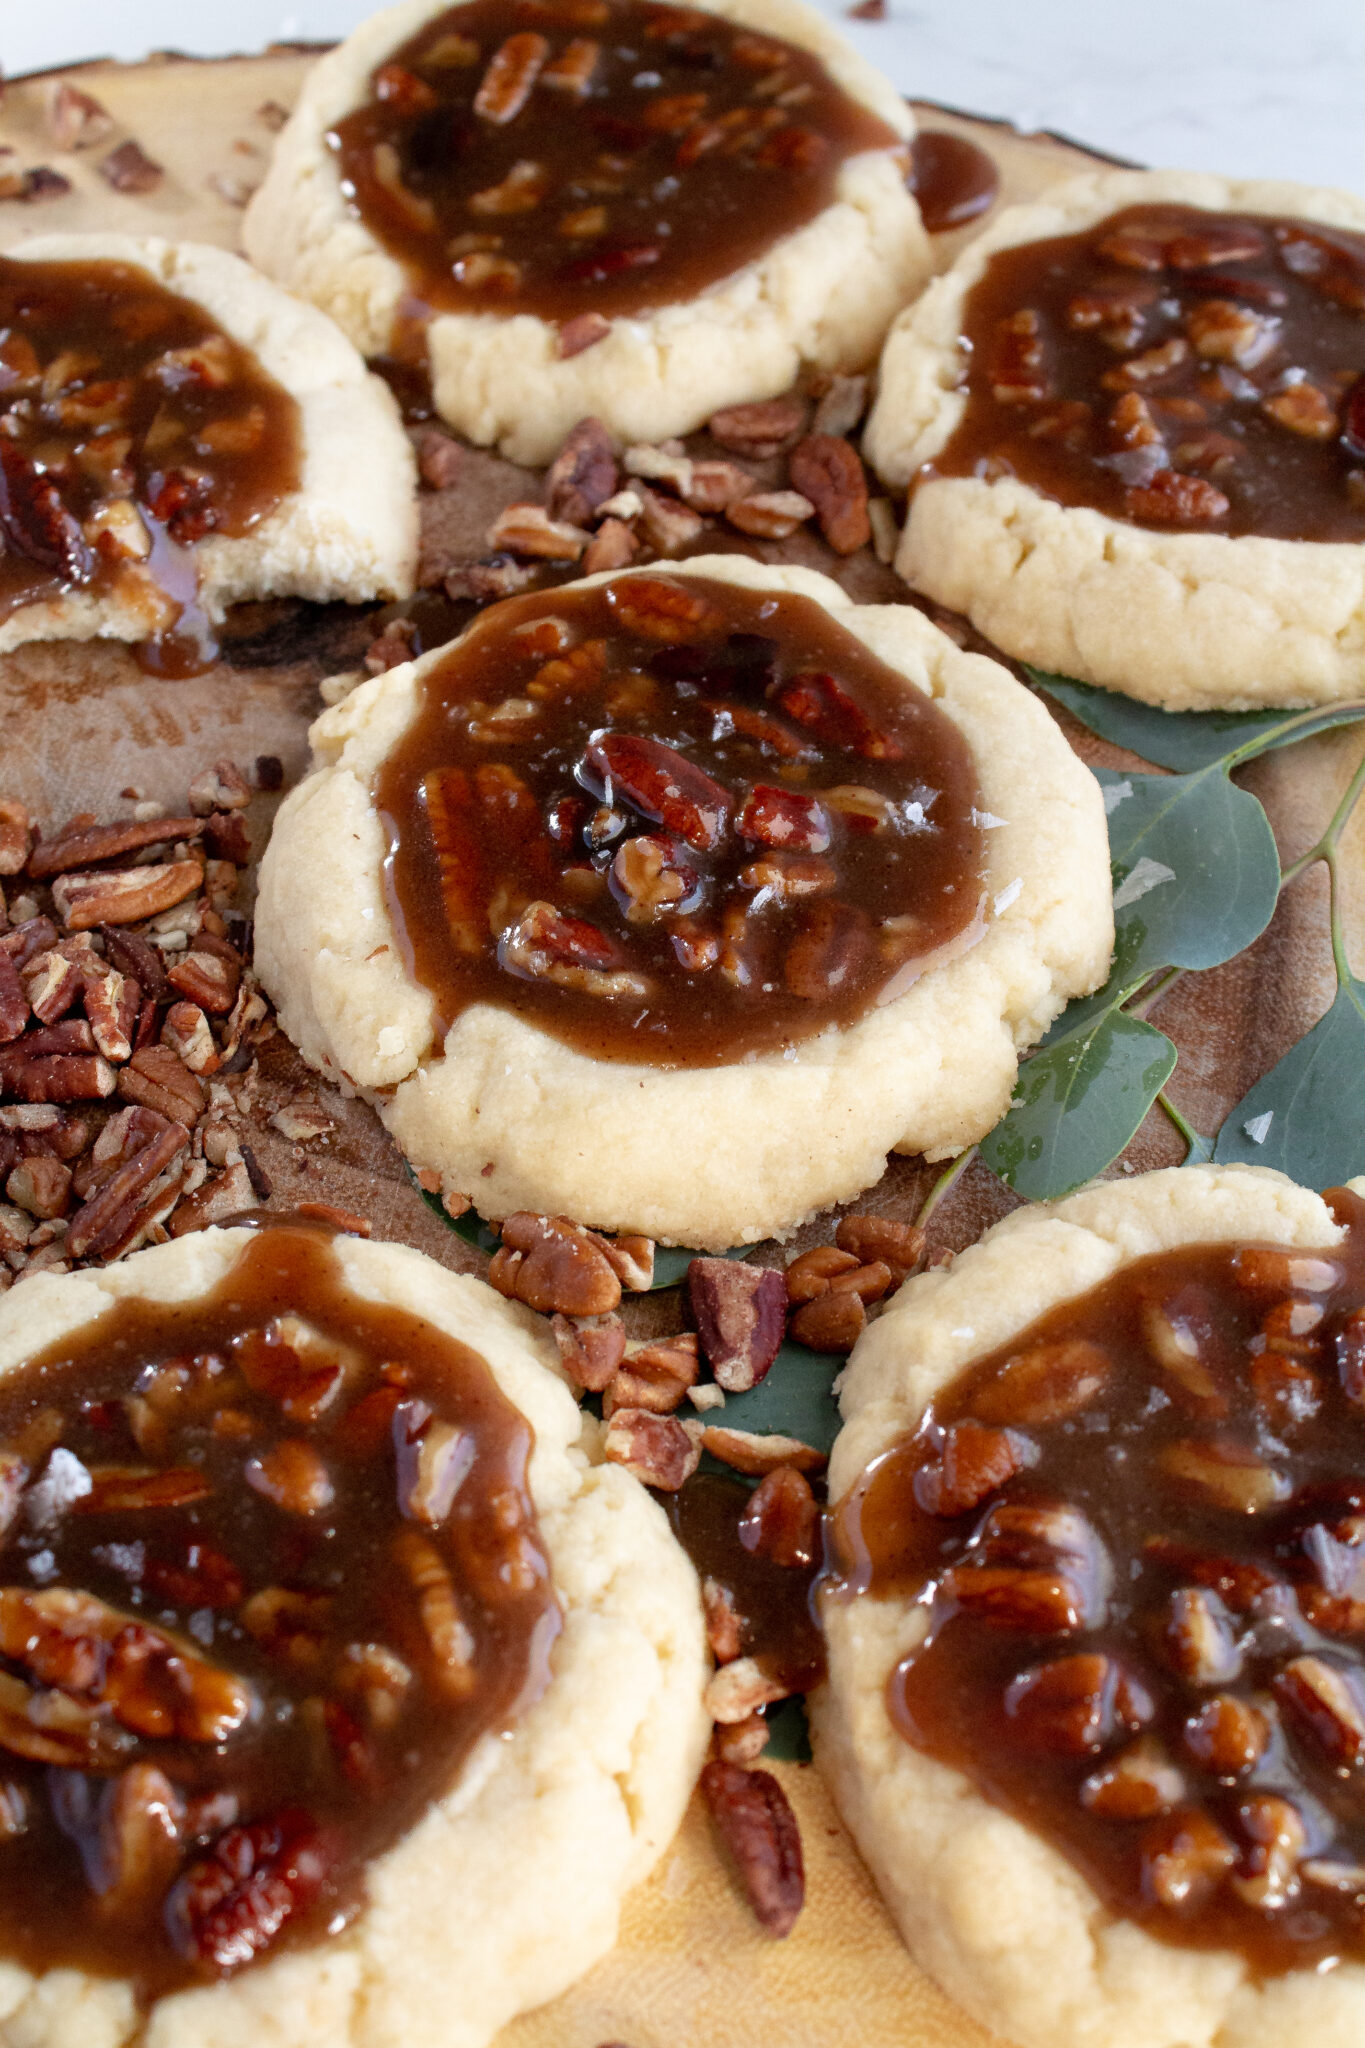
(81, 725)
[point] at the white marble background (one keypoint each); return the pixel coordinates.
(1245, 86)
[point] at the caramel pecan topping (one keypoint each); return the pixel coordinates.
(626, 167)
(1139, 1534)
(671, 819)
(1180, 369)
(270, 1588)
(129, 418)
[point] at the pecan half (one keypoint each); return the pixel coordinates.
(123, 896)
(553, 1264)
(760, 429)
(86, 846)
(660, 783)
(755, 1821)
(782, 1520)
(156, 1077)
(826, 470)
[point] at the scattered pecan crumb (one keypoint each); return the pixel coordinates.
(129, 169)
(584, 331)
(75, 119)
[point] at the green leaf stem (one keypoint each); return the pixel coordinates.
(1186, 740)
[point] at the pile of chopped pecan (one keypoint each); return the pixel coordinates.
(606, 507)
(128, 1014)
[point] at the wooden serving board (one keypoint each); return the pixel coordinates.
(80, 726)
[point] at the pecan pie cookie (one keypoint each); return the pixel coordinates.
(345, 1691)
(618, 208)
(179, 434)
(1132, 421)
(1096, 1711)
(672, 901)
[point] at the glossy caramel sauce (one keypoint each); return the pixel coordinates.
(675, 821)
(1177, 369)
(1137, 1533)
(563, 157)
(772, 1600)
(266, 1585)
(131, 426)
(953, 180)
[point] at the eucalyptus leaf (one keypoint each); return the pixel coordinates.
(1185, 740)
(793, 1399)
(788, 1732)
(1196, 871)
(1078, 1103)
(1307, 1115)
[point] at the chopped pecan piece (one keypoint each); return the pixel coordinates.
(611, 547)
(667, 526)
(971, 1462)
(1076, 1705)
(1227, 1476)
(529, 530)
(1326, 1701)
(724, 1631)
(770, 515)
(649, 878)
(583, 475)
(75, 119)
(583, 332)
(545, 945)
(1185, 1857)
(590, 1353)
(758, 430)
(571, 71)
(831, 1322)
(129, 169)
(1199, 1637)
(292, 1476)
(1138, 1784)
(1047, 1383)
(156, 1077)
(14, 835)
(228, 1907)
(782, 1520)
(61, 1077)
(739, 1312)
(760, 1454)
(123, 896)
(1228, 1736)
(758, 1827)
(1305, 409)
(741, 1688)
(507, 83)
(656, 1448)
(787, 819)
(1171, 495)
